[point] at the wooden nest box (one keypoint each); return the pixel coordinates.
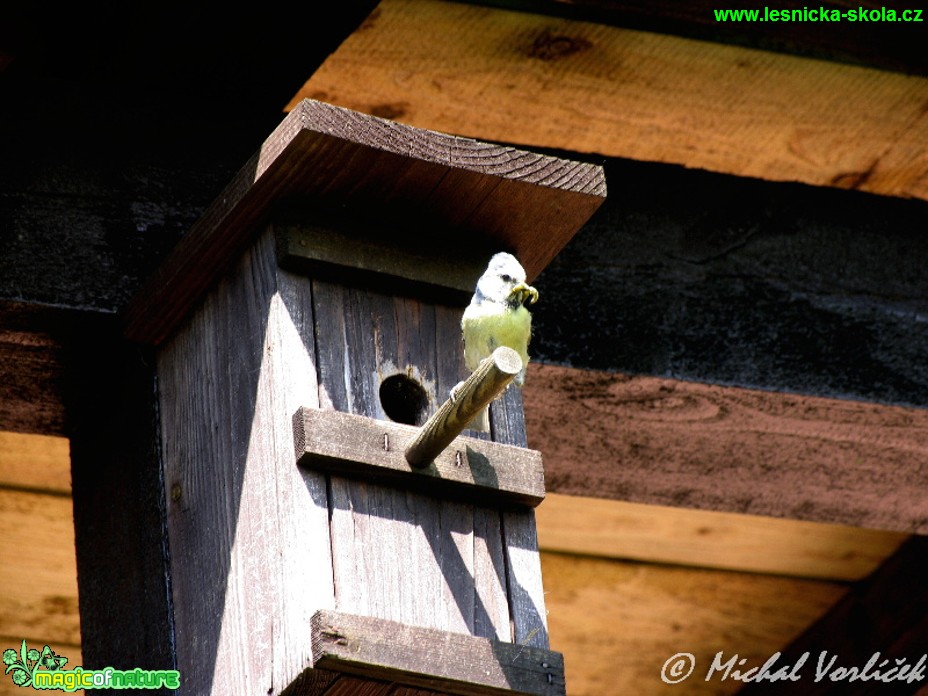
(306, 327)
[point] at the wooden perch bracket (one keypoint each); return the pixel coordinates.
(470, 469)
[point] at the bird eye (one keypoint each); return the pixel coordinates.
(506, 278)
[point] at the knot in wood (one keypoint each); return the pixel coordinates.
(551, 46)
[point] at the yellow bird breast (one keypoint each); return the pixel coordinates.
(488, 326)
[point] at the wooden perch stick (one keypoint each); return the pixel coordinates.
(473, 394)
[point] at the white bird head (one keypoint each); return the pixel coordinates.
(504, 282)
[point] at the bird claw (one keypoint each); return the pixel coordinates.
(454, 392)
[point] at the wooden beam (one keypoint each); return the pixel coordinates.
(884, 619)
(547, 82)
(477, 193)
(32, 367)
(582, 525)
(664, 442)
(717, 279)
(451, 663)
(122, 569)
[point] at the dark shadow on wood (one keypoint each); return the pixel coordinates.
(120, 536)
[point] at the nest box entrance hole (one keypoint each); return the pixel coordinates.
(404, 399)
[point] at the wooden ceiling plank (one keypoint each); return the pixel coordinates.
(37, 575)
(35, 462)
(887, 45)
(544, 81)
(618, 622)
(886, 614)
(583, 525)
(665, 442)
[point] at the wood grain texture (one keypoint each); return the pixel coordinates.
(526, 592)
(583, 525)
(398, 261)
(120, 539)
(886, 45)
(403, 555)
(456, 413)
(887, 614)
(37, 348)
(518, 78)
(35, 462)
(656, 441)
(713, 278)
(489, 195)
(248, 530)
(477, 471)
(618, 622)
(447, 662)
(37, 569)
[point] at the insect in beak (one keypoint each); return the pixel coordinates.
(525, 291)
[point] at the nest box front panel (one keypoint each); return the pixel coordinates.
(397, 554)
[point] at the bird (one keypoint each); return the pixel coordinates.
(497, 316)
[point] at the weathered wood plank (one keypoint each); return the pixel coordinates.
(349, 161)
(248, 531)
(589, 526)
(663, 442)
(618, 622)
(302, 497)
(517, 78)
(349, 251)
(362, 338)
(526, 593)
(471, 469)
(37, 346)
(448, 662)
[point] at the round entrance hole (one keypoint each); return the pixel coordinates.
(404, 400)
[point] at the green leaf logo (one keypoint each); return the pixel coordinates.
(23, 665)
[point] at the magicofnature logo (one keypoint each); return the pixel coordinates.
(45, 670)
(25, 664)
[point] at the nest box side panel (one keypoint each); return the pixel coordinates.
(248, 531)
(400, 555)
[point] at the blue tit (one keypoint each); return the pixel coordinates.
(496, 316)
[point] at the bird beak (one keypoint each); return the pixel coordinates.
(525, 291)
